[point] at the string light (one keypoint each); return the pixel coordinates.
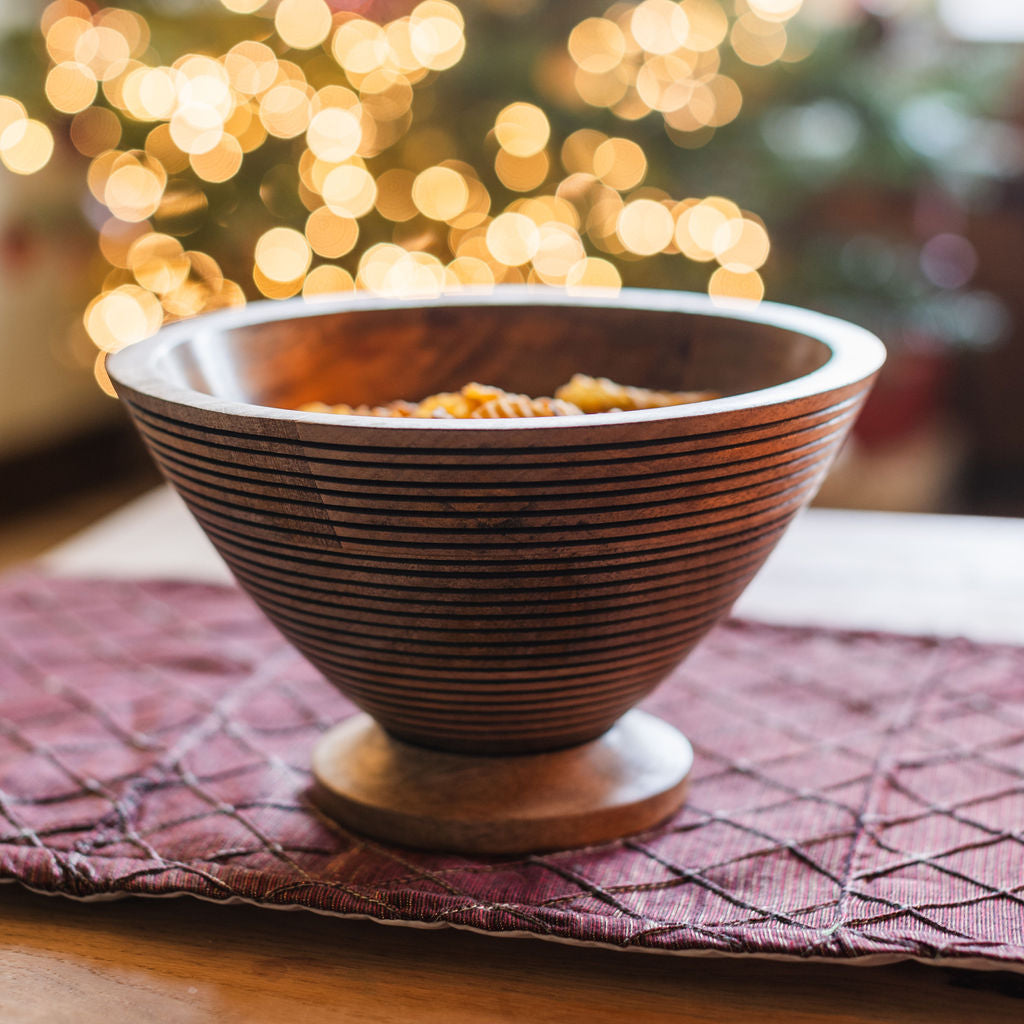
(335, 90)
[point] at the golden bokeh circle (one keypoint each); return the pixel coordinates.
(394, 195)
(468, 272)
(70, 87)
(728, 286)
(220, 163)
(329, 235)
(95, 130)
(440, 193)
(597, 45)
(620, 163)
(659, 26)
(26, 146)
(283, 255)
(334, 134)
(513, 239)
(645, 227)
(11, 110)
(741, 245)
(522, 129)
(303, 24)
(593, 275)
(122, 317)
(158, 262)
(521, 173)
(327, 280)
(349, 190)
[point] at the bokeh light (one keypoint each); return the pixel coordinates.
(593, 275)
(597, 45)
(436, 34)
(440, 193)
(26, 145)
(302, 24)
(283, 255)
(513, 239)
(349, 190)
(122, 316)
(659, 26)
(319, 132)
(326, 280)
(330, 235)
(70, 87)
(620, 163)
(728, 286)
(645, 227)
(522, 129)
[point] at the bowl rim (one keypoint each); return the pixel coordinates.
(856, 353)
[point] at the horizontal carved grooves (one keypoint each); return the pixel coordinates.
(497, 598)
(291, 455)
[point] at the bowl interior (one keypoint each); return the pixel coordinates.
(366, 356)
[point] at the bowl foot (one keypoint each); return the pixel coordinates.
(630, 779)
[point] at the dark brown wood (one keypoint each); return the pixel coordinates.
(630, 779)
(496, 586)
(186, 961)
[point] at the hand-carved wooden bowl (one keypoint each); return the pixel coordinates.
(495, 587)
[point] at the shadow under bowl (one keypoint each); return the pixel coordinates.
(496, 586)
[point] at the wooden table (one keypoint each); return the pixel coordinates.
(182, 960)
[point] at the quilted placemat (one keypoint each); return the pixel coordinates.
(854, 794)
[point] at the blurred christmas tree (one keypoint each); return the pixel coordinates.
(241, 149)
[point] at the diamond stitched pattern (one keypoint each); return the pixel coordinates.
(854, 794)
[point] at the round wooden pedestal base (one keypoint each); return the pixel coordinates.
(631, 778)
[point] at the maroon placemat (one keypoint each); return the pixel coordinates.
(854, 794)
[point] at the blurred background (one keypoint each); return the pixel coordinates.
(171, 157)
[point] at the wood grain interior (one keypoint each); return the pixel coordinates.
(362, 357)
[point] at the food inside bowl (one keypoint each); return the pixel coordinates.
(581, 395)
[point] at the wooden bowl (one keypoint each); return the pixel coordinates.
(496, 587)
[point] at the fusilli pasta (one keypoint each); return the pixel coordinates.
(581, 395)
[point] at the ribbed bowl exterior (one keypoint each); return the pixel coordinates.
(498, 591)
